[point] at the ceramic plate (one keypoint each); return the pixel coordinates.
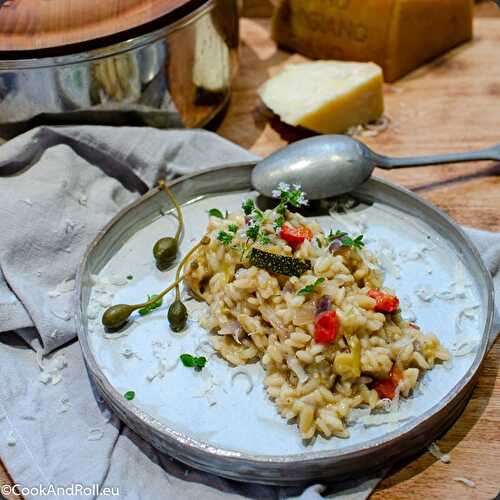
(220, 419)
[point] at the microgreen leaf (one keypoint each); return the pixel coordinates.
(253, 232)
(310, 288)
(232, 228)
(130, 277)
(318, 241)
(264, 239)
(357, 242)
(129, 395)
(225, 238)
(215, 212)
(193, 362)
(248, 206)
(278, 223)
(147, 309)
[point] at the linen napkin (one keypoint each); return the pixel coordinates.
(58, 187)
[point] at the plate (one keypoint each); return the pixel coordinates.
(220, 419)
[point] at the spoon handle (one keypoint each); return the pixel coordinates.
(388, 162)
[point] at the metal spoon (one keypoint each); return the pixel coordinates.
(330, 165)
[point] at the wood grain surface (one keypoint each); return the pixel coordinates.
(39, 24)
(451, 104)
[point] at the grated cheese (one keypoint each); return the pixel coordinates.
(370, 129)
(464, 480)
(436, 452)
(163, 365)
(66, 286)
(51, 371)
(242, 371)
(95, 434)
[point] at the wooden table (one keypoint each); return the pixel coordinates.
(451, 104)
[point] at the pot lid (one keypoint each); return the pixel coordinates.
(62, 26)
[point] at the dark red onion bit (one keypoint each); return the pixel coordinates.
(323, 304)
(335, 245)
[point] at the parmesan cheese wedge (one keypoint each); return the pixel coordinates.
(326, 96)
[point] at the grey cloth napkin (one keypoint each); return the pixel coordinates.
(58, 187)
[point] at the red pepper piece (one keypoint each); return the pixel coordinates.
(326, 327)
(385, 303)
(295, 236)
(386, 387)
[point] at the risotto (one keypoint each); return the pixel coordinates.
(312, 308)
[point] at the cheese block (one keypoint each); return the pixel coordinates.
(326, 96)
(399, 35)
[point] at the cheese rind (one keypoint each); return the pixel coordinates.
(399, 35)
(326, 96)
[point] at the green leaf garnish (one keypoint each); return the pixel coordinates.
(147, 309)
(225, 238)
(357, 242)
(130, 277)
(335, 236)
(346, 240)
(278, 223)
(129, 395)
(318, 241)
(193, 362)
(310, 288)
(215, 212)
(248, 206)
(253, 232)
(264, 239)
(232, 228)
(289, 195)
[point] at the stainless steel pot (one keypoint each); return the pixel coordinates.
(176, 76)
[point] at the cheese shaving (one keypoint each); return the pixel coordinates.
(436, 452)
(95, 434)
(370, 129)
(163, 365)
(382, 419)
(464, 480)
(51, 371)
(66, 286)
(241, 371)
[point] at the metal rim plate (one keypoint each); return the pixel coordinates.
(291, 469)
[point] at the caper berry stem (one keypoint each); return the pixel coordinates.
(160, 295)
(172, 198)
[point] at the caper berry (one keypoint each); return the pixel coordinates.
(116, 316)
(177, 315)
(165, 252)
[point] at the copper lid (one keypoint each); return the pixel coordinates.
(67, 26)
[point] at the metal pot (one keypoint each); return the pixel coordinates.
(177, 75)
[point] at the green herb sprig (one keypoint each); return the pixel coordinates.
(215, 212)
(129, 395)
(346, 240)
(190, 361)
(310, 288)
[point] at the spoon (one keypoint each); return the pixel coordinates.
(329, 165)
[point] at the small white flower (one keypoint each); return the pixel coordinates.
(303, 200)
